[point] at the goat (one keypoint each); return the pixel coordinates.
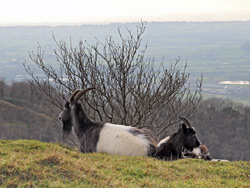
(201, 152)
(171, 147)
(103, 137)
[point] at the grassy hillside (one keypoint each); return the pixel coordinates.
(35, 164)
(20, 120)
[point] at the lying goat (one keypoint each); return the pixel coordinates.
(103, 137)
(171, 147)
(201, 152)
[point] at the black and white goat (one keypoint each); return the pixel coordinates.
(171, 147)
(201, 152)
(103, 137)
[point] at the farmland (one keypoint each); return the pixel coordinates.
(218, 50)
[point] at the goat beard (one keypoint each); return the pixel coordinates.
(67, 128)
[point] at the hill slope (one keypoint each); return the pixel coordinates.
(36, 164)
(20, 120)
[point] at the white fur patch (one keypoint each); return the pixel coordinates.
(197, 151)
(163, 141)
(220, 160)
(116, 140)
(116, 126)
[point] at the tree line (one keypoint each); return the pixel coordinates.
(224, 126)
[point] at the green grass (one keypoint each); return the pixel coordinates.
(35, 164)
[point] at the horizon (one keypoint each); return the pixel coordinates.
(59, 23)
(96, 12)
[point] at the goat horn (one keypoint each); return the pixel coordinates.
(73, 95)
(79, 95)
(186, 122)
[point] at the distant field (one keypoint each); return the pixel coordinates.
(214, 49)
(35, 164)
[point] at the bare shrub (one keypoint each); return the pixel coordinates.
(130, 89)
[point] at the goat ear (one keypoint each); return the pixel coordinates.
(184, 128)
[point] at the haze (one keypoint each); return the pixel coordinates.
(49, 12)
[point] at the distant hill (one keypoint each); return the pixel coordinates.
(35, 164)
(20, 120)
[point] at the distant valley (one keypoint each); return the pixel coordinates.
(220, 51)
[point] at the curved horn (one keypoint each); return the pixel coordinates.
(186, 122)
(79, 95)
(73, 95)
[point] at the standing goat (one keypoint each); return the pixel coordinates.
(171, 147)
(103, 137)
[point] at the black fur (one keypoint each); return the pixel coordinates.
(172, 150)
(167, 152)
(65, 118)
(87, 131)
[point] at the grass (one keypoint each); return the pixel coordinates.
(35, 164)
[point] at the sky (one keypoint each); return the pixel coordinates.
(48, 12)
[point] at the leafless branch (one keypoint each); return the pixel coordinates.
(129, 89)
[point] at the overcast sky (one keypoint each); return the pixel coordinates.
(102, 11)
